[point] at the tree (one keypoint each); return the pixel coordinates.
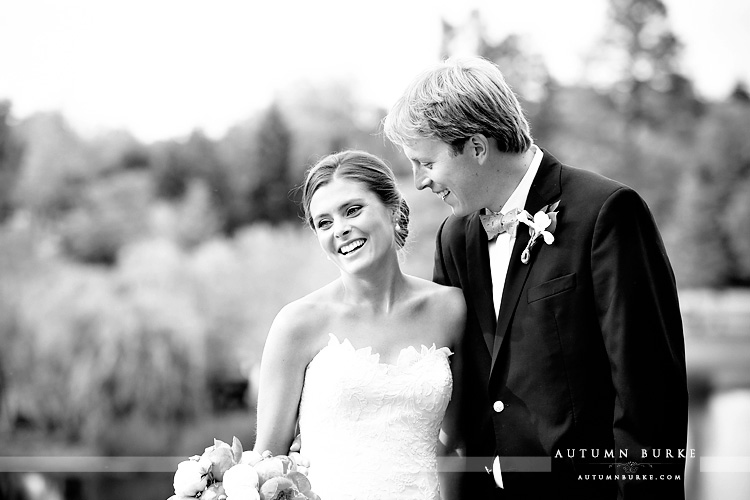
(270, 197)
(714, 205)
(638, 62)
(172, 171)
(11, 153)
(55, 166)
(110, 212)
(740, 93)
(236, 151)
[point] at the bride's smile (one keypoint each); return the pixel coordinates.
(352, 225)
(352, 247)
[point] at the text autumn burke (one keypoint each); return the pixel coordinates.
(623, 453)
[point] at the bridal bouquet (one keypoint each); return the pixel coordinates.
(226, 472)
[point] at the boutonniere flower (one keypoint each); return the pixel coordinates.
(542, 224)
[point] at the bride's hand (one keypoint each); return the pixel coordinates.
(301, 461)
(296, 444)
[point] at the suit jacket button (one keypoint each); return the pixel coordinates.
(498, 406)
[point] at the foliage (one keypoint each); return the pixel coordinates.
(55, 166)
(710, 225)
(189, 221)
(110, 212)
(84, 348)
(269, 198)
(10, 160)
(177, 163)
(203, 246)
(637, 64)
(236, 152)
(327, 118)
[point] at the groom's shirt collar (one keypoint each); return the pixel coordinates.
(518, 197)
(501, 248)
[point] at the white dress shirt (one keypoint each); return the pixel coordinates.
(501, 247)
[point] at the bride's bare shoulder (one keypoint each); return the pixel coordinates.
(299, 320)
(442, 307)
(442, 297)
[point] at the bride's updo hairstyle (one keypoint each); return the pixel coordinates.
(367, 169)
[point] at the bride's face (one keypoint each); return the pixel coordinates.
(353, 226)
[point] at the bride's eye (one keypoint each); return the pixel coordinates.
(323, 224)
(353, 210)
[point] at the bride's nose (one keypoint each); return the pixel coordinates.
(342, 230)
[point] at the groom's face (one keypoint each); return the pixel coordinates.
(456, 179)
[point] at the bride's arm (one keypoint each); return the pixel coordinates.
(282, 372)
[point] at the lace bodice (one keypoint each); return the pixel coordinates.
(370, 429)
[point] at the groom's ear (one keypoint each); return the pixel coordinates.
(478, 147)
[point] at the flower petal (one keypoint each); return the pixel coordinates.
(553, 225)
(541, 221)
(525, 217)
(548, 238)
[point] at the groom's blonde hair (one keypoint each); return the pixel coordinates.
(456, 99)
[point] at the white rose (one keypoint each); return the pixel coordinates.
(239, 478)
(246, 493)
(190, 479)
(251, 457)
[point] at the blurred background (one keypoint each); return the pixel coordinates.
(149, 231)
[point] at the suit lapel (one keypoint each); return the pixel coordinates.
(544, 190)
(481, 279)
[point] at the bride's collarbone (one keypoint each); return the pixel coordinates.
(385, 338)
(389, 332)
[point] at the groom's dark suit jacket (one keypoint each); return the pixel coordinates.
(587, 352)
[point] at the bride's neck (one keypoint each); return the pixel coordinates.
(377, 291)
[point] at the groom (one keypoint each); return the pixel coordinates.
(574, 381)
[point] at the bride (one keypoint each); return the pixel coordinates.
(365, 361)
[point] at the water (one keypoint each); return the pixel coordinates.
(719, 427)
(86, 486)
(726, 435)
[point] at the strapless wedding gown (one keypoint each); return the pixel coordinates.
(369, 429)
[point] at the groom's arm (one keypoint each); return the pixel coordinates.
(638, 312)
(453, 475)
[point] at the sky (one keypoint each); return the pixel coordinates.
(162, 68)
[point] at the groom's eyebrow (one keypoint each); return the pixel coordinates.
(421, 158)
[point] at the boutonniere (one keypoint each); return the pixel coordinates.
(543, 224)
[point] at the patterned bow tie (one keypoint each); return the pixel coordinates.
(496, 223)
